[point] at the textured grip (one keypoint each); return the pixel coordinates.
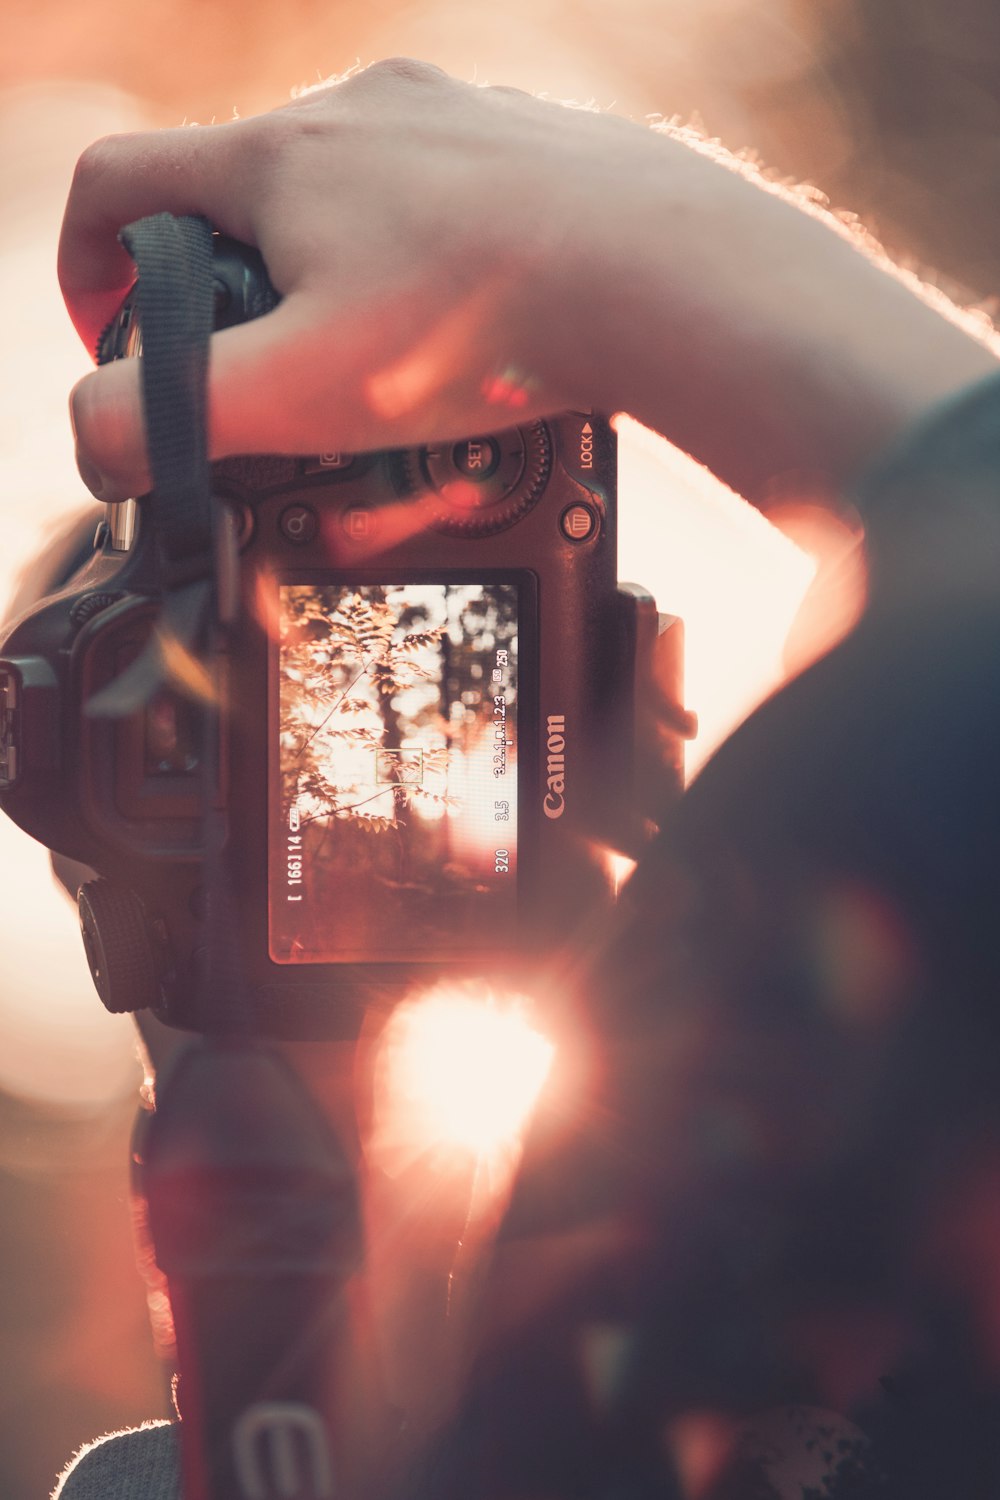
(117, 942)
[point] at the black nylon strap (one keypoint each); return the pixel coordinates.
(251, 1204)
(175, 300)
(175, 304)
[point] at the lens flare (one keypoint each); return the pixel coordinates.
(618, 867)
(460, 1070)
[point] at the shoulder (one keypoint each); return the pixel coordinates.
(141, 1464)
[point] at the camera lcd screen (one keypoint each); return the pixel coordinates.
(393, 782)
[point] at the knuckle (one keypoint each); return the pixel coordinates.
(99, 159)
(405, 70)
(262, 138)
(268, 145)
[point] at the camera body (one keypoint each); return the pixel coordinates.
(426, 737)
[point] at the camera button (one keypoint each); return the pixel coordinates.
(327, 463)
(298, 524)
(476, 458)
(360, 523)
(578, 523)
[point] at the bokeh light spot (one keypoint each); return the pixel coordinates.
(462, 1071)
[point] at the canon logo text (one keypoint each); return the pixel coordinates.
(555, 766)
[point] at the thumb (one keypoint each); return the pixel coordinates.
(255, 405)
(106, 410)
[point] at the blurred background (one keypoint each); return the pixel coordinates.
(890, 107)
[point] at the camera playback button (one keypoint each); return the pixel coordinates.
(298, 524)
(359, 523)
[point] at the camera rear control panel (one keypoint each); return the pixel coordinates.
(473, 489)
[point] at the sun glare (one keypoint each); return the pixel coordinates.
(709, 557)
(618, 867)
(462, 1071)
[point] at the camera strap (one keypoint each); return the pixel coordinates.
(199, 563)
(254, 1221)
(175, 301)
(249, 1200)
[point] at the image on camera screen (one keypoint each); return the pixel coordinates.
(393, 782)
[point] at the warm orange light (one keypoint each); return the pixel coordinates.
(438, 357)
(461, 1070)
(455, 1075)
(618, 867)
(709, 557)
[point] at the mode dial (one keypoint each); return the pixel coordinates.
(481, 484)
(117, 941)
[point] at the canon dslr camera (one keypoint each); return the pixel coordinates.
(433, 715)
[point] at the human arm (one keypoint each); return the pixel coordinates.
(454, 259)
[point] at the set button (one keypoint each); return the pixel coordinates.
(476, 458)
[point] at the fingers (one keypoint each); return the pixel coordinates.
(221, 171)
(388, 332)
(248, 365)
(107, 415)
(191, 170)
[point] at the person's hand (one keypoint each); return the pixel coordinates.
(456, 259)
(419, 230)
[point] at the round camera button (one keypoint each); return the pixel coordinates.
(476, 458)
(360, 523)
(298, 524)
(578, 523)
